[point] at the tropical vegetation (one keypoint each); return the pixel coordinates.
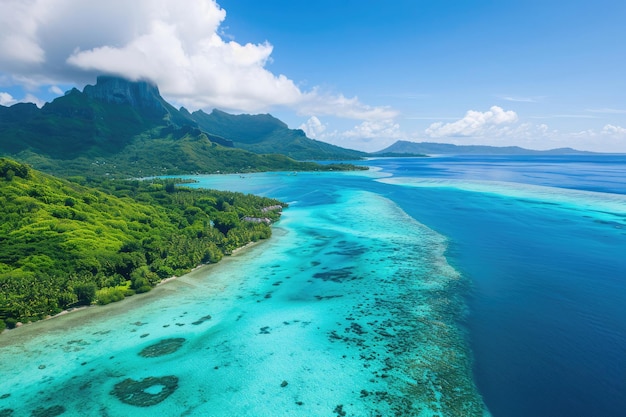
(67, 243)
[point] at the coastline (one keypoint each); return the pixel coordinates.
(94, 309)
(333, 283)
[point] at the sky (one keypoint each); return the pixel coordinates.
(540, 74)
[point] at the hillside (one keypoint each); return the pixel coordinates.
(263, 133)
(406, 147)
(63, 244)
(124, 128)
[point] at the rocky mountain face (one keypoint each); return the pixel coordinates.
(115, 90)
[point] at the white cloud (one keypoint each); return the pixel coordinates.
(611, 138)
(369, 136)
(564, 116)
(313, 127)
(6, 99)
(18, 36)
(614, 131)
(56, 90)
(386, 129)
(30, 98)
(178, 45)
(607, 110)
(181, 51)
(519, 99)
(475, 123)
(316, 102)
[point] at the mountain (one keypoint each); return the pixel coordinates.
(264, 133)
(121, 127)
(406, 147)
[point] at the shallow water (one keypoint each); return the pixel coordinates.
(351, 308)
(377, 293)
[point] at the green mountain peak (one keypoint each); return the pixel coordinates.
(122, 127)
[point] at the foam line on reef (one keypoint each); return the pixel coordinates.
(410, 305)
(592, 200)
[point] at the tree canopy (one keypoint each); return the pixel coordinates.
(68, 243)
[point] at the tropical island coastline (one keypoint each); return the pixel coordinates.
(67, 245)
(200, 270)
(97, 141)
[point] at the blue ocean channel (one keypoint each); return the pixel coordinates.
(543, 242)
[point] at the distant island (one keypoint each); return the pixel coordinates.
(402, 148)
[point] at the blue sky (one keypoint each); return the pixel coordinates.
(360, 74)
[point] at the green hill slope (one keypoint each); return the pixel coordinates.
(263, 133)
(63, 244)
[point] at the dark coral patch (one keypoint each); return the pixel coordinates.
(336, 275)
(201, 320)
(55, 410)
(6, 412)
(146, 392)
(164, 347)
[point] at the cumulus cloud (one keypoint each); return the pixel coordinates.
(611, 138)
(6, 99)
(179, 48)
(475, 123)
(375, 130)
(316, 102)
(613, 130)
(178, 45)
(30, 98)
(313, 127)
(18, 36)
(369, 135)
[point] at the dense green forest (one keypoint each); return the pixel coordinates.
(66, 243)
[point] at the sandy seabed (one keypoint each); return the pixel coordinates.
(350, 309)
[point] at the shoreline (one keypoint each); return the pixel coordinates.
(94, 307)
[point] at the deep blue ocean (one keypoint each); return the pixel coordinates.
(547, 306)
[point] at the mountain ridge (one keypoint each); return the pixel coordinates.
(137, 132)
(263, 132)
(407, 147)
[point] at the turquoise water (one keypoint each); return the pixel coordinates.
(350, 308)
(417, 288)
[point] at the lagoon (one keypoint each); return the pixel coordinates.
(426, 286)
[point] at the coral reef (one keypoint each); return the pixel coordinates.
(164, 347)
(137, 393)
